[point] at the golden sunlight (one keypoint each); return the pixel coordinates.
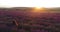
(38, 9)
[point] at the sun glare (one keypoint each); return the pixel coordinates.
(38, 9)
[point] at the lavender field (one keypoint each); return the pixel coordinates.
(12, 20)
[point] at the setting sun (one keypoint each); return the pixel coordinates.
(37, 7)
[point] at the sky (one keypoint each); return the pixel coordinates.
(29, 3)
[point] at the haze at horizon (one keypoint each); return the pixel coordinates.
(29, 3)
